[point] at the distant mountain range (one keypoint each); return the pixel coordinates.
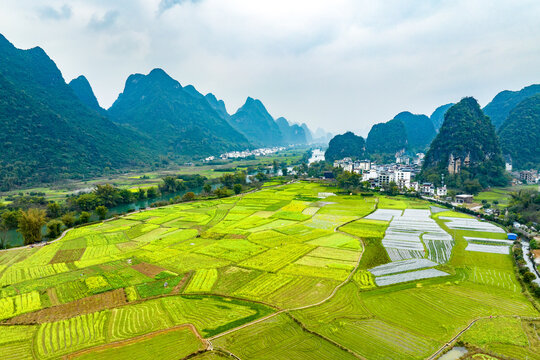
(515, 113)
(51, 130)
(178, 119)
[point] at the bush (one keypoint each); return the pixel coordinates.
(84, 217)
(189, 196)
(528, 277)
(54, 229)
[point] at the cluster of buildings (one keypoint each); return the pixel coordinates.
(247, 153)
(399, 173)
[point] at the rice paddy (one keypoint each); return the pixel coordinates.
(292, 271)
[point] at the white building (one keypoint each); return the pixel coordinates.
(442, 191)
(370, 175)
(402, 179)
(363, 165)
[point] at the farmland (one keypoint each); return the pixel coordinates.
(285, 272)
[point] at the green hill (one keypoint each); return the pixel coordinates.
(387, 138)
(520, 134)
(179, 120)
(254, 121)
(346, 145)
(468, 135)
(218, 105)
(82, 89)
(501, 105)
(47, 133)
(437, 118)
(419, 128)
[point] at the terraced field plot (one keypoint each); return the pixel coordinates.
(163, 282)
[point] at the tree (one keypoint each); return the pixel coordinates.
(84, 217)
(3, 234)
(11, 218)
(127, 196)
(284, 171)
(221, 192)
(101, 211)
(87, 202)
(30, 224)
(228, 180)
(189, 196)
(68, 219)
(207, 188)
(141, 194)
(152, 192)
(54, 229)
(107, 194)
(528, 277)
(237, 189)
(53, 210)
(261, 177)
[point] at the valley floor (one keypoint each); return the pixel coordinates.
(288, 272)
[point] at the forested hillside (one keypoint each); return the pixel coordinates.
(437, 118)
(254, 121)
(501, 105)
(45, 130)
(468, 135)
(387, 138)
(82, 89)
(346, 145)
(179, 120)
(419, 128)
(520, 134)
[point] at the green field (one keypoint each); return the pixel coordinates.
(170, 282)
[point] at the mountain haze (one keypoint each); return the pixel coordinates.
(292, 133)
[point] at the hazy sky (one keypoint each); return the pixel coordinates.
(338, 64)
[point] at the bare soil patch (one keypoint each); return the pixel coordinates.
(70, 255)
(82, 306)
(148, 269)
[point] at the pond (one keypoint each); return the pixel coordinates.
(455, 353)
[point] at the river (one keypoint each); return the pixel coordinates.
(14, 238)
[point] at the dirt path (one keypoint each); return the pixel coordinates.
(136, 339)
(450, 343)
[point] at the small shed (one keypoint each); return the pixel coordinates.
(512, 236)
(464, 199)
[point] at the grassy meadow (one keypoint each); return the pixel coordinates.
(281, 273)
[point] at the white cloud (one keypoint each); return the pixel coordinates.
(341, 64)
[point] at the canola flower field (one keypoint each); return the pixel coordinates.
(287, 272)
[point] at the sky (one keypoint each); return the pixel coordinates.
(342, 65)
